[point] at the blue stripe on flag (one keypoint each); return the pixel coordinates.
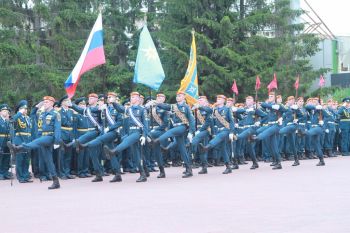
(96, 41)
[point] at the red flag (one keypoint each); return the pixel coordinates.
(322, 82)
(257, 83)
(273, 83)
(296, 84)
(234, 87)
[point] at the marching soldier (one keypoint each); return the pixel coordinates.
(290, 126)
(270, 133)
(183, 123)
(203, 114)
(223, 131)
(159, 123)
(50, 138)
(110, 133)
(136, 133)
(314, 128)
(250, 123)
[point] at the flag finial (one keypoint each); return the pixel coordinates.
(193, 31)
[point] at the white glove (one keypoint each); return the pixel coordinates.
(142, 141)
(234, 109)
(55, 146)
(319, 107)
(231, 135)
(321, 123)
(106, 130)
(189, 137)
(339, 130)
(197, 132)
(295, 121)
(275, 106)
(236, 125)
(294, 106)
(149, 139)
(280, 120)
(250, 110)
(257, 124)
(326, 131)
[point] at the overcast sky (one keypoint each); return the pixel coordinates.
(334, 13)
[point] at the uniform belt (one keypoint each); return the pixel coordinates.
(265, 124)
(272, 122)
(301, 123)
(221, 128)
(290, 123)
(4, 135)
(85, 130)
(177, 124)
(314, 126)
(67, 128)
(199, 125)
(344, 119)
(331, 122)
(47, 133)
(134, 127)
(23, 134)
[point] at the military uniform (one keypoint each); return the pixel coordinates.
(136, 128)
(344, 126)
(182, 124)
(22, 134)
(5, 136)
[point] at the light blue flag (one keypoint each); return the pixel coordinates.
(148, 69)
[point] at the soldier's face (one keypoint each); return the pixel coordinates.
(82, 105)
(291, 102)
(48, 104)
(134, 99)
(249, 102)
(111, 99)
(300, 102)
(229, 103)
(220, 101)
(142, 100)
(5, 114)
(92, 100)
(271, 98)
(160, 99)
(180, 97)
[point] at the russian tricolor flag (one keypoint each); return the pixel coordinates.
(93, 55)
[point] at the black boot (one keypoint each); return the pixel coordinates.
(235, 164)
(188, 172)
(161, 172)
(109, 152)
(296, 161)
(204, 170)
(145, 168)
(277, 166)
(227, 170)
(255, 165)
(142, 178)
(117, 178)
(242, 161)
(98, 178)
(321, 163)
(204, 148)
(55, 183)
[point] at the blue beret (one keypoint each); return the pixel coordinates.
(79, 100)
(22, 104)
(4, 107)
(347, 99)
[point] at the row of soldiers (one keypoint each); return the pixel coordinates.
(99, 136)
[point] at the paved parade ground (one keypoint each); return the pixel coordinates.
(295, 199)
